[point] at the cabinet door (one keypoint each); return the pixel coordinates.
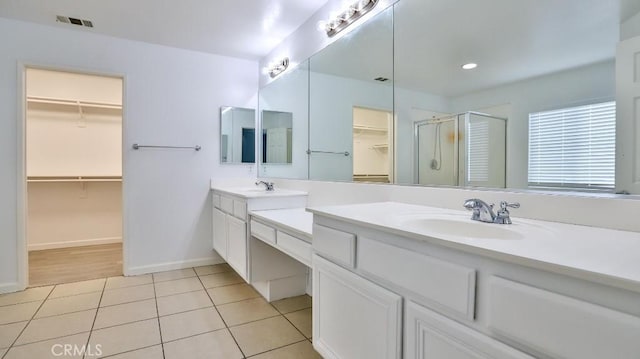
(220, 233)
(429, 335)
(237, 245)
(353, 318)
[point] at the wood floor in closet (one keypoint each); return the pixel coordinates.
(66, 265)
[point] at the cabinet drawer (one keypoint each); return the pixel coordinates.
(240, 209)
(337, 245)
(226, 204)
(560, 326)
(216, 200)
(442, 284)
(297, 248)
(263, 232)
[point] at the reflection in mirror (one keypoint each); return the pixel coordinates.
(284, 104)
(237, 135)
(530, 60)
(545, 78)
(277, 136)
(351, 105)
(466, 149)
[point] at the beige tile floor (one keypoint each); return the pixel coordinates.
(204, 312)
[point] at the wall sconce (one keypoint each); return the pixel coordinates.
(276, 68)
(347, 17)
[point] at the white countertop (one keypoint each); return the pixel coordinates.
(606, 256)
(257, 192)
(296, 220)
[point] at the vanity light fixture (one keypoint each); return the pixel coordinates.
(276, 68)
(345, 18)
(469, 66)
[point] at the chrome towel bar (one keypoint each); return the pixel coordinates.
(137, 147)
(345, 153)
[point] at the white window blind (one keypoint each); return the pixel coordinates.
(573, 147)
(478, 151)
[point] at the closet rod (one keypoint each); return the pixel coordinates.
(137, 147)
(55, 101)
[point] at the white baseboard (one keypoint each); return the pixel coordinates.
(78, 243)
(161, 267)
(9, 288)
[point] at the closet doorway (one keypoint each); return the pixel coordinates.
(73, 165)
(373, 146)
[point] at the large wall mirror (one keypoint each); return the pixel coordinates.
(496, 94)
(350, 90)
(284, 122)
(237, 135)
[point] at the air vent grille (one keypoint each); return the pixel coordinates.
(74, 21)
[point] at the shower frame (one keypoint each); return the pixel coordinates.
(456, 149)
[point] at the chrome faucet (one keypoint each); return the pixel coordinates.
(502, 217)
(268, 185)
(484, 212)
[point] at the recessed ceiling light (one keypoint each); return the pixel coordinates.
(469, 66)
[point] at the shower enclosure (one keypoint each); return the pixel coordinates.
(466, 149)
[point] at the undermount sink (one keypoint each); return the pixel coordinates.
(463, 228)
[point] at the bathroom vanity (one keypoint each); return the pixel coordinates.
(393, 280)
(274, 274)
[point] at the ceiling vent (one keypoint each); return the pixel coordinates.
(74, 21)
(381, 79)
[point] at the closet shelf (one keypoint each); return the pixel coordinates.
(61, 179)
(383, 146)
(369, 128)
(57, 101)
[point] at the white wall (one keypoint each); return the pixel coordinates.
(74, 214)
(172, 97)
(630, 28)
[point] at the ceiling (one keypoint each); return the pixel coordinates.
(510, 40)
(240, 28)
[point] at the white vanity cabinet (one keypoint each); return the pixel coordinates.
(237, 245)
(429, 335)
(353, 317)
(457, 303)
(220, 232)
(231, 224)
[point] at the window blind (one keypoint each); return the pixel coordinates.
(478, 151)
(573, 147)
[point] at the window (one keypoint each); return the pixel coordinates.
(478, 151)
(573, 147)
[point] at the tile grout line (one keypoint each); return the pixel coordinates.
(284, 346)
(155, 297)
(223, 321)
(295, 326)
(29, 322)
(93, 323)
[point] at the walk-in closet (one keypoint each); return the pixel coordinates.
(73, 162)
(372, 145)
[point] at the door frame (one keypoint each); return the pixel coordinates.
(22, 255)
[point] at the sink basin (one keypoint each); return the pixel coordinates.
(463, 228)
